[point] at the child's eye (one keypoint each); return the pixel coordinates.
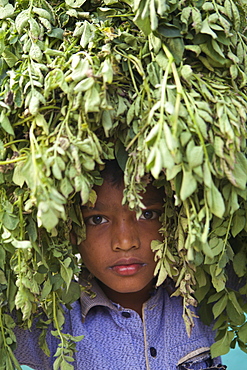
(149, 215)
(96, 220)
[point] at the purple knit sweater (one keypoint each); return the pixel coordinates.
(116, 338)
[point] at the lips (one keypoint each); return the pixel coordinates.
(127, 266)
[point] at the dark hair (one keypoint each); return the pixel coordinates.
(112, 172)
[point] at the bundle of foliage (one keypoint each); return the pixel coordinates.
(161, 86)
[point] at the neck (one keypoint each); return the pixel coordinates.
(133, 301)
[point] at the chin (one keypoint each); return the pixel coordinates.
(129, 289)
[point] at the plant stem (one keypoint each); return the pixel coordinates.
(19, 159)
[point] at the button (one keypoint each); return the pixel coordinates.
(153, 351)
(126, 314)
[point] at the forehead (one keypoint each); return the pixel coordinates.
(109, 193)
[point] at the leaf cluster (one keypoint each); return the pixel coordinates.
(161, 86)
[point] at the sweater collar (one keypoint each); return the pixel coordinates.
(92, 295)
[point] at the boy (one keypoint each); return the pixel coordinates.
(128, 324)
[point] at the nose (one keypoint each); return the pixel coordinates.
(125, 235)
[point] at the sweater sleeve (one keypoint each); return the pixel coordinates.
(28, 351)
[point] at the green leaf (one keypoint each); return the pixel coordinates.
(43, 13)
(10, 221)
(161, 271)
(2, 258)
(238, 224)
(72, 294)
(46, 216)
(189, 185)
(215, 201)
(57, 362)
(218, 280)
(213, 55)
(47, 287)
(22, 20)
(66, 365)
(176, 46)
(194, 155)
(222, 346)
(217, 48)
(66, 187)
(240, 263)
(35, 52)
(23, 244)
(75, 3)
(219, 306)
(6, 11)
(56, 171)
(235, 317)
(84, 85)
(201, 277)
(5, 124)
(2, 278)
(86, 34)
(207, 250)
(107, 121)
(18, 177)
(233, 299)
(67, 274)
(107, 71)
(92, 100)
(169, 30)
(57, 33)
(240, 170)
(215, 297)
(141, 18)
(60, 316)
(205, 28)
(187, 72)
(242, 333)
(2, 43)
(34, 28)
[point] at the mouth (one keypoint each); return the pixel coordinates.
(127, 267)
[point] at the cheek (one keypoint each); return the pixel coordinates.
(84, 250)
(151, 232)
(91, 252)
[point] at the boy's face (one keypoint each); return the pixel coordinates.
(117, 245)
